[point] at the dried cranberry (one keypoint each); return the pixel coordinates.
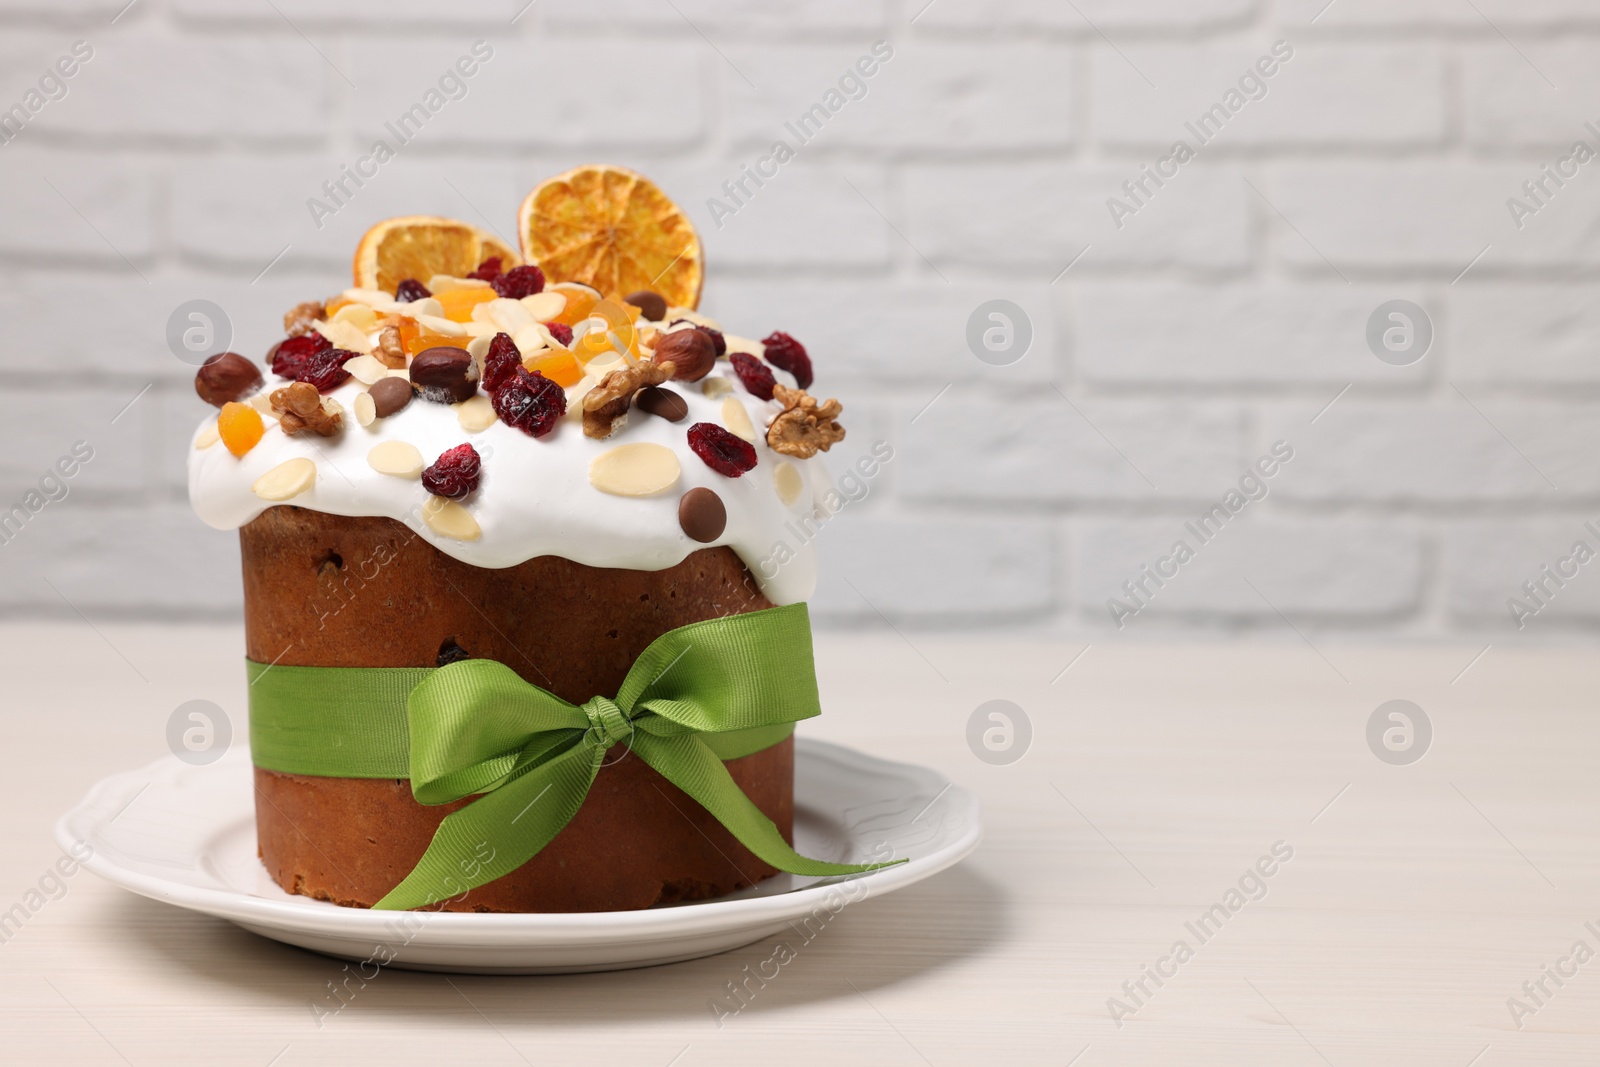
(530, 402)
(326, 369)
(519, 282)
(455, 473)
(289, 357)
(754, 374)
(561, 332)
(785, 353)
(723, 452)
(718, 342)
(488, 270)
(410, 290)
(500, 362)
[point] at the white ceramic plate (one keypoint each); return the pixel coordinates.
(186, 835)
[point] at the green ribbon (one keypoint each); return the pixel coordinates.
(698, 695)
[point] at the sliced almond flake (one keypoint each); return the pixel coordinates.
(373, 298)
(480, 329)
(208, 437)
(786, 479)
(262, 402)
(366, 409)
(443, 283)
(509, 315)
(346, 335)
(546, 305)
(442, 326)
(287, 480)
(531, 339)
(478, 347)
(449, 519)
(693, 316)
(715, 387)
(367, 369)
(737, 419)
(641, 469)
(426, 306)
(358, 315)
(398, 459)
(744, 344)
(476, 414)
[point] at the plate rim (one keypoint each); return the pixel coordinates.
(456, 929)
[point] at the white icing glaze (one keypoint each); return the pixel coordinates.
(535, 498)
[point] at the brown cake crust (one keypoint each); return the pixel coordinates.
(334, 591)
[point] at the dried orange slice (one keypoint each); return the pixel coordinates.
(420, 246)
(612, 229)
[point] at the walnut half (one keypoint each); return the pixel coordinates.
(607, 403)
(804, 427)
(300, 408)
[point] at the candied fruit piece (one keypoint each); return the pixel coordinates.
(785, 353)
(240, 427)
(723, 451)
(424, 339)
(580, 302)
(519, 282)
(458, 303)
(410, 290)
(562, 368)
(531, 402)
(755, 375)
(455, 474)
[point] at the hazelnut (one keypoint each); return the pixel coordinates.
(692, 352)
(226, 376)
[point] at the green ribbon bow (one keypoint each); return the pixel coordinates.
(696, 696)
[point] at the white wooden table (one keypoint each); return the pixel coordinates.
(1418, 899)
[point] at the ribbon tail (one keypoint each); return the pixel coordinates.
(687, 763)
(498, 832)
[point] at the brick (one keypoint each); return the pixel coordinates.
(1486, 562)
(1171, 16)
(1507, 101)
(61, 203)
(929, 96)
(529, 92)
(1441, 453)
(931, 567)
(242, 212)
(143, 81)
(36, 302)
(889, 331)
(1043, 451)
(165, 559)
(1330, 568)
(368, 15)
(1324, 94)
(44, 424)
(806, 216)
(1435, 13)
(718, 18)
(1235, 334)
(1525, 334)
(1427, 216)
(957, 214)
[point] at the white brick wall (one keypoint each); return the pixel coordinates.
(1224, 315)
